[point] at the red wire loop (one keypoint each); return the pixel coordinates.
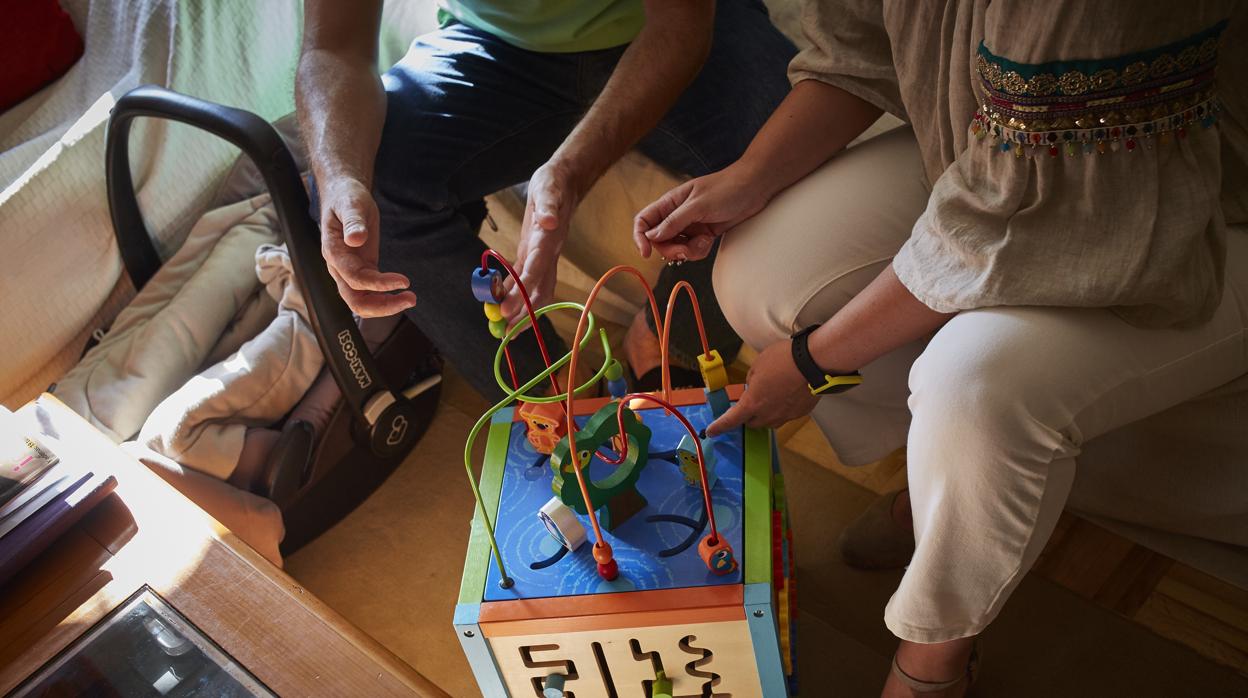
(706, 488)
(528, 306)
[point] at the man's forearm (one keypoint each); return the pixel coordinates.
(341, 109)
(654, 70)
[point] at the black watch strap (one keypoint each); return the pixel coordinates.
(820, 382)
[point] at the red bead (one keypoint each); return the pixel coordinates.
(1115, 131)
(1052, 151)
(1182, 132)
(1130, 144)
(609, 571)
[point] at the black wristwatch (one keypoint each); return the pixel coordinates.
(818, 380)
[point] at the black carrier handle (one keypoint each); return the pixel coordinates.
(387, 414)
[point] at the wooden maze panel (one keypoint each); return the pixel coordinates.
(622, 660)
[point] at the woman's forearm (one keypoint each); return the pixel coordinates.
(881, 318)
(813, 123)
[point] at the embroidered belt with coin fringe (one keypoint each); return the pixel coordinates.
(1101, 105)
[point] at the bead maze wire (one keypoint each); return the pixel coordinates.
(519, 394)
(602, 548)
(665, 334)
(584, 330)
(528, 306)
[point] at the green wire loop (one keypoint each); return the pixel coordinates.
(519, 394)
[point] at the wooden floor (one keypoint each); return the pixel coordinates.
(1099, 617)
(1169, 598)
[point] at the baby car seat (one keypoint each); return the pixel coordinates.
(376, 425)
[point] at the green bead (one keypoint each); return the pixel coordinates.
(498, 328)
(614, 370)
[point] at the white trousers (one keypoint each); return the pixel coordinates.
(999, 401)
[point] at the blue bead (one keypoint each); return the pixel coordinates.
(1005, 147)
(618, 388)
(487, 286)
(718, 400)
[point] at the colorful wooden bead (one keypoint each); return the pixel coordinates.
(602, 552)
(487, 285)
(713, 373)
(609, 571)
(687, 459)
(717, 555)
(616, 385)
(498, 328)
(552, 687)
(719, 402)
(492, 311)
(662, 686)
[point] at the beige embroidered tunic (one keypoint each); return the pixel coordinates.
(1079, 154)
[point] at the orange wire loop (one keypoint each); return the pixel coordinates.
(665, 334)
(568, 405)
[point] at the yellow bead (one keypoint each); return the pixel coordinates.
(493, 313)
(713, 373)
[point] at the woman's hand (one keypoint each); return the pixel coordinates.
(776, 392)
(683, 223)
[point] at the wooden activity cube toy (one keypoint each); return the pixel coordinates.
(616, 550)
(667, 625)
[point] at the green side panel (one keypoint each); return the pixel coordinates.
(757, 530)
(472, 586)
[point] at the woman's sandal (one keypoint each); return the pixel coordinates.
(875, 541)
(971, 674)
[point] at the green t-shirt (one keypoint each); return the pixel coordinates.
(550, 26)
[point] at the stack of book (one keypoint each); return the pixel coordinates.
(41, 496)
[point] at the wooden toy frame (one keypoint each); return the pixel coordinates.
(512, 645)
(665, 620)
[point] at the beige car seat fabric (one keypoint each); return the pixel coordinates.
(202, 425)
(173, 327)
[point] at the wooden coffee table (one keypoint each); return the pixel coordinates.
(148, 539)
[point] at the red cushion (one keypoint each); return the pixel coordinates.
(38, 43)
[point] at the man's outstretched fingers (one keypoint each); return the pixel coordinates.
(358, 273)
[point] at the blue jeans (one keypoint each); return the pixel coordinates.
(468, 114)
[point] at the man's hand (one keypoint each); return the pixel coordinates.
(683, 223)
(349, 243)
(553, 197)
(776, 392)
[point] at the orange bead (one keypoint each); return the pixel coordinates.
(602, 552)
(717, 556)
